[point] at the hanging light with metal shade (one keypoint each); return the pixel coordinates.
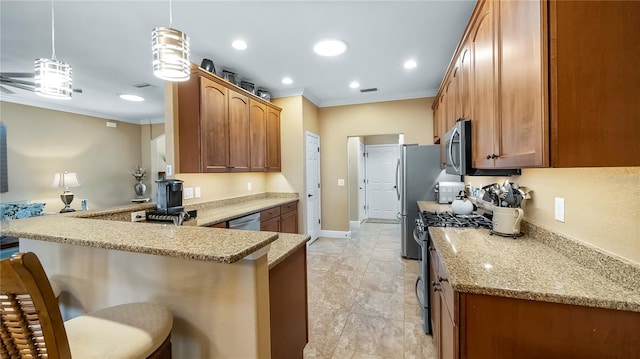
(53, 78)
(170, 52)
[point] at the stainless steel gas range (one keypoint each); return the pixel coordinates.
(421, 236)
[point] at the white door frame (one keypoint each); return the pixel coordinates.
(362, 183)
(313, 227)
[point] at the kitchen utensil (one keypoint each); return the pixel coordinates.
(461, 205)
(511, 201)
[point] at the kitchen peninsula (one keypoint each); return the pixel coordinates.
(215, 281)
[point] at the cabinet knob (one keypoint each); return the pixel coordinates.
(488, 157)
(440, 279)
(436, 286)
(491, 156)
(431, 248)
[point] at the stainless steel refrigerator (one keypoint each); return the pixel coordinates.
(417, 173)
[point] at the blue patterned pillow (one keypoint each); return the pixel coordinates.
(21, 210)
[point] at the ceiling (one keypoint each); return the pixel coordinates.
(108, 45)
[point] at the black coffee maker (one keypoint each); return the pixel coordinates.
(169, 196)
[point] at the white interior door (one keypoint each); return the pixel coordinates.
(382, 199)
(362, 204)
(313, 185)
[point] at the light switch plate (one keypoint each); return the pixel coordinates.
(248, 186)
(341, 182)
(559, 209)
(198, 193)
(169, 171)
(188, 192)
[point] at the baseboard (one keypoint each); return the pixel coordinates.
(354, 224)
(335, 234)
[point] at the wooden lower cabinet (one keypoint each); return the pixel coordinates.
(288, 306)
(479, 326)
(219, 225)
(282, 219)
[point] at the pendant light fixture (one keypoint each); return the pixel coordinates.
(170, 52)
(52, 77)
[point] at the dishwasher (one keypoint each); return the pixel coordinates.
(247, 223)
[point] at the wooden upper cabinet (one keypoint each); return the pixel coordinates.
(222, 128)
(522, 76)
(465, 82)
(258, 135)
(436, 121)
(213, 126)
(483, 50)
(238, 132)
(273, 140)
(595, 83)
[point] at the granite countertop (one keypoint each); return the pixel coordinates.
(206, 244)
(284, 246)
(109, 228)
(524, 268)
(207, 217)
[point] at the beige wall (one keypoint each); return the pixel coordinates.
(413, 118)
(602, 205)
(298, 115)
(381, 140)
(41, 142)
(214, 186)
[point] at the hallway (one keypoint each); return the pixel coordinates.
(361, 298)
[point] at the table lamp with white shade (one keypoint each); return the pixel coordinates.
(66, 180)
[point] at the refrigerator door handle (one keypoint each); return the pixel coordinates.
(397, 186)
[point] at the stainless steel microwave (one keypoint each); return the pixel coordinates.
(459, 157)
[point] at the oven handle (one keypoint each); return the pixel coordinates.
(417, 237)
(450, 149)
(417, 296)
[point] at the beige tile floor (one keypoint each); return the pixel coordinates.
(361, 298)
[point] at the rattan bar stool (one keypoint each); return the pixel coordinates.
(32, 326)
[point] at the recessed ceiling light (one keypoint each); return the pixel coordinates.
(354, 85)
(239, 45)
(133, 98)
(330, 47)
(410, 64)
(287, 81)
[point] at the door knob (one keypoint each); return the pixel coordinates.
(309, 195)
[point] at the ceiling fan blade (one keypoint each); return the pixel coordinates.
(6, 90)
(7, 80)
(17, 74)
(17, 85)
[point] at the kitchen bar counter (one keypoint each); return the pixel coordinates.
(207, 217)
(526, 268)
(285, 245)
(205, 244)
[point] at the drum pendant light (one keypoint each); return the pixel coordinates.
(52, 77)
(170, 52)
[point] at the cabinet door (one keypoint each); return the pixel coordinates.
(452, 100)
(436, 122)
(465, 82)
(289, 222)
(213, 124)
(271, 225)
(523, 126)
(448, 335)
(258, 135)
(483, 96)
(442, 126)
(238, 127)
(273, 140)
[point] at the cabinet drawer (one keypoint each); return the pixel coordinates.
(267, 214)
(286, 208)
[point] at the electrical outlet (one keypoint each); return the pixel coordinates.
(198, 193)
(248, 186)
(138, 216)
(341, 182)
(559, 209)
(188, 192)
